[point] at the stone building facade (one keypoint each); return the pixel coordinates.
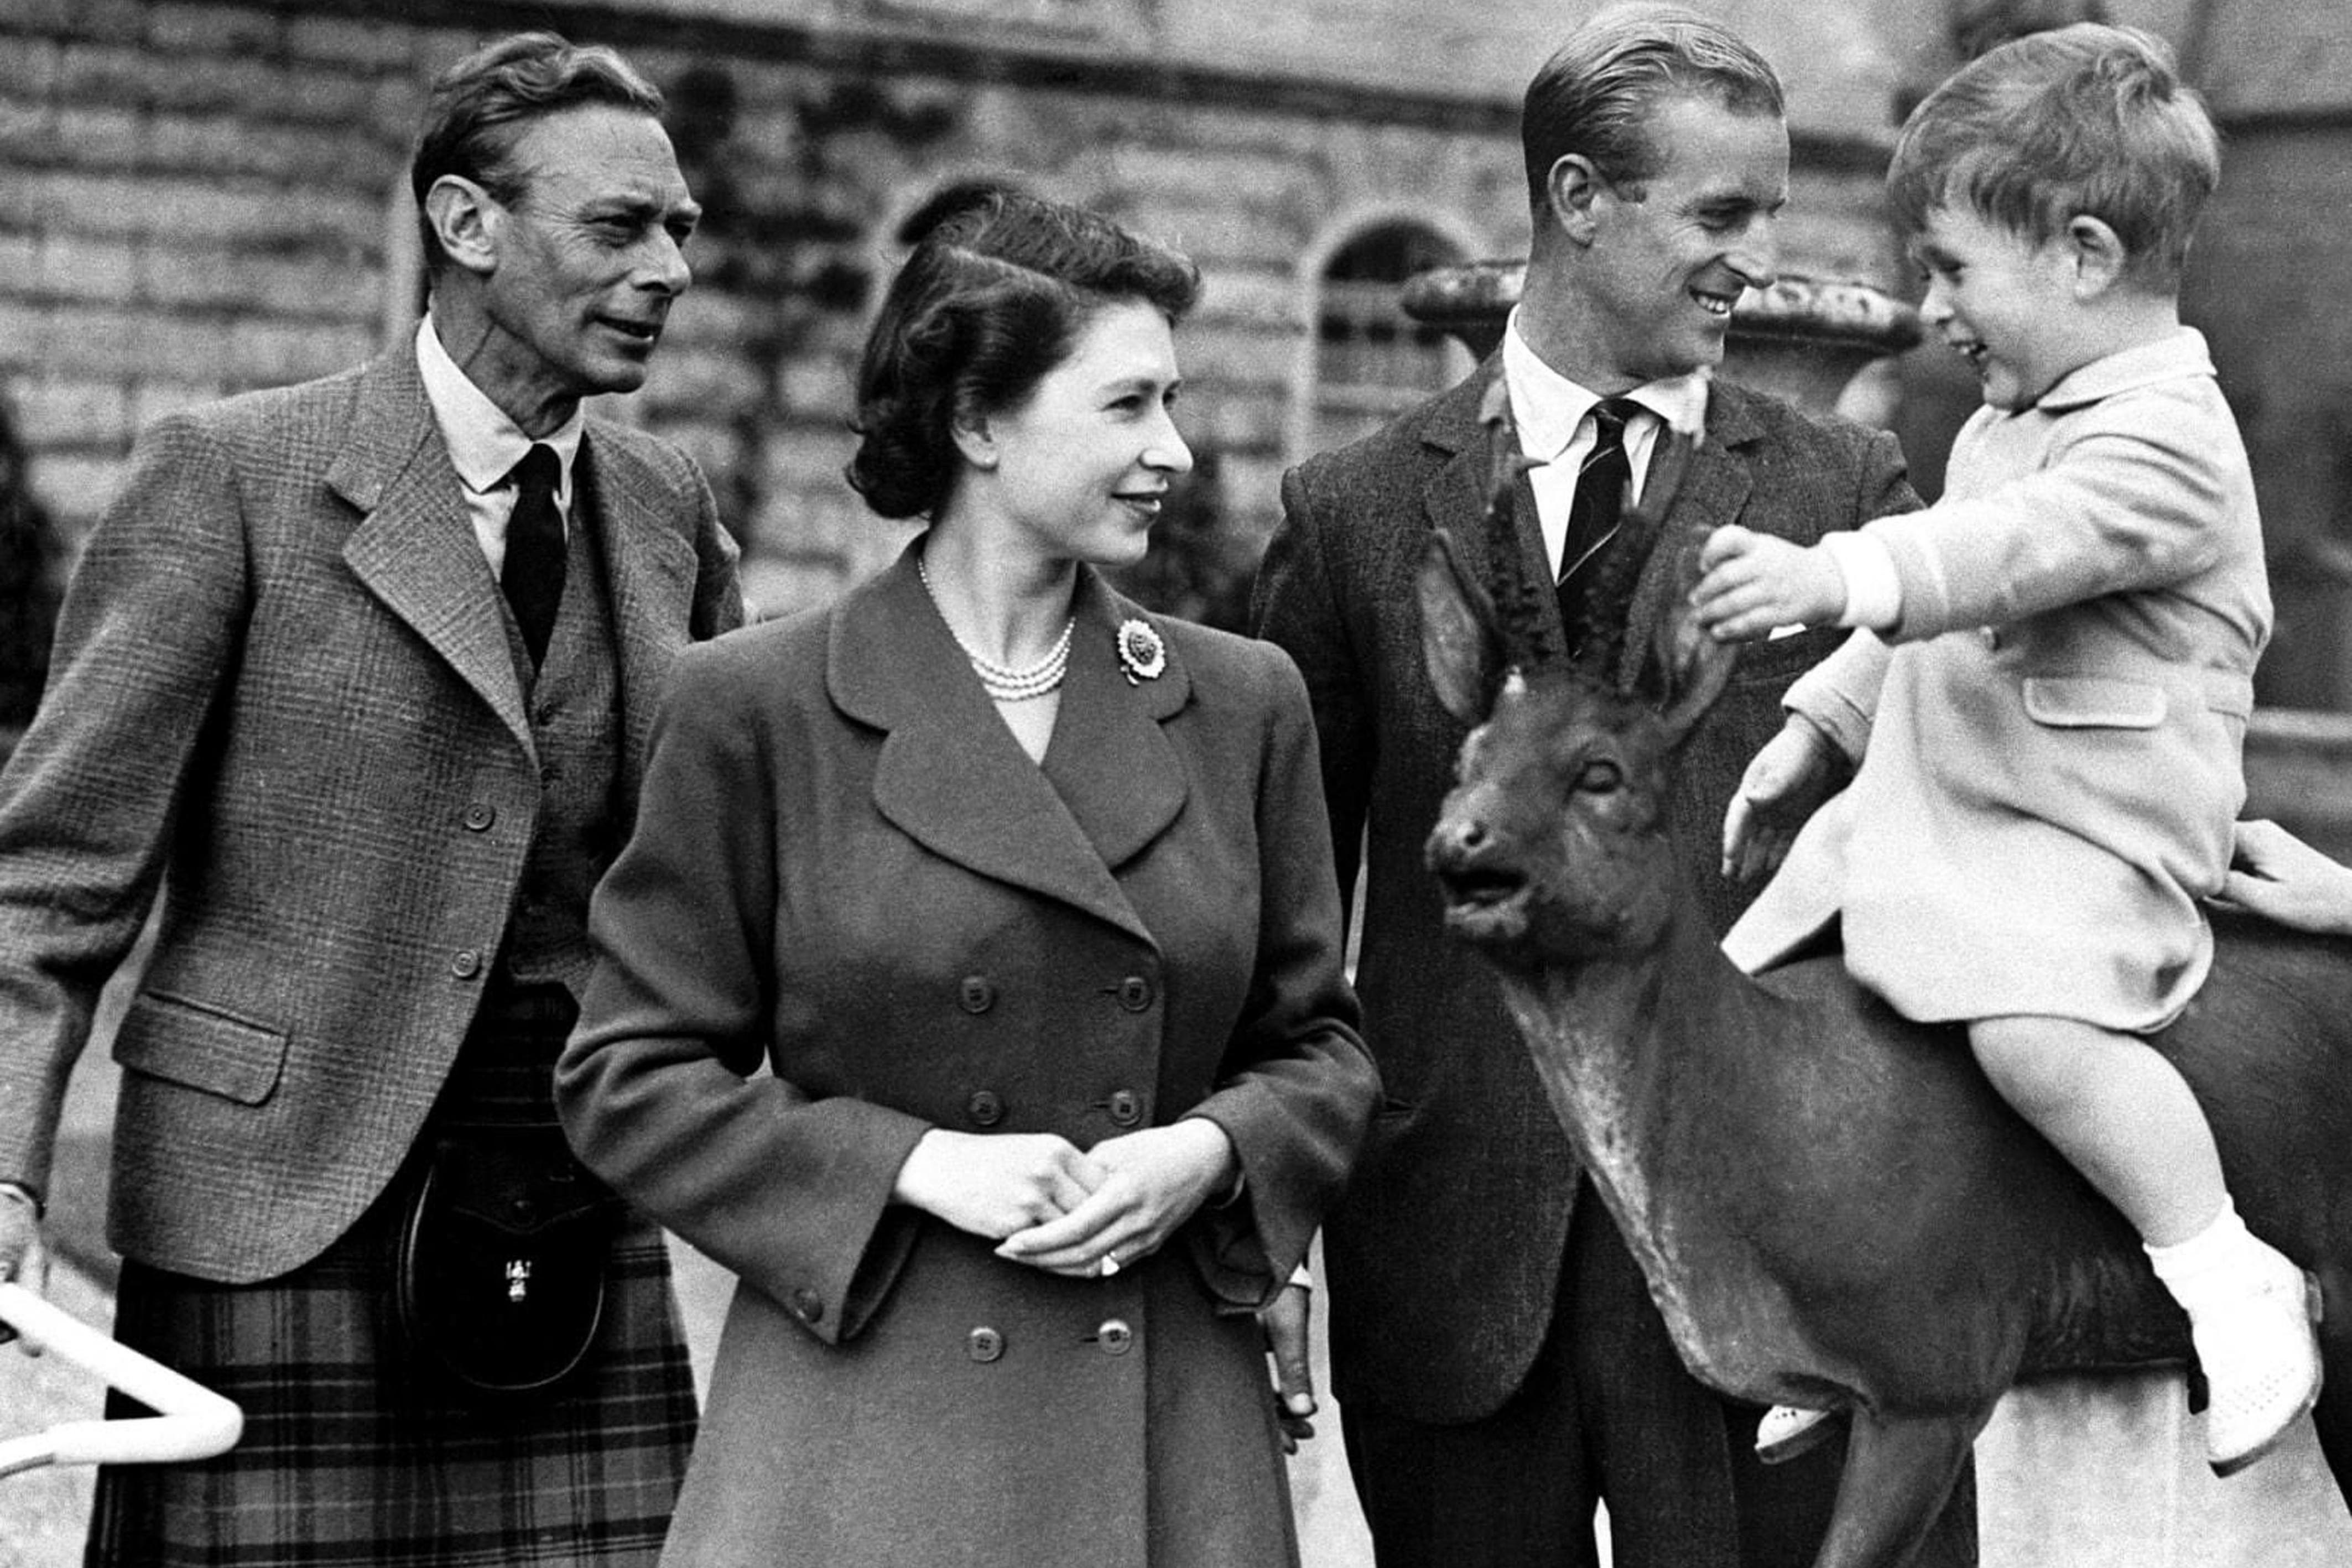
(199, 196)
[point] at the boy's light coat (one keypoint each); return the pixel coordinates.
(2055, 734)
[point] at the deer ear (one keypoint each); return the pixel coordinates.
(1687, 668)
(1460, 642)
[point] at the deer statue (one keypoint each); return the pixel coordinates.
(1830, 1203)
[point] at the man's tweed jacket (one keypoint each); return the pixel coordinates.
(1444, 1255)
(284, 690)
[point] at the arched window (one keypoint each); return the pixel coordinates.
(1373, 361)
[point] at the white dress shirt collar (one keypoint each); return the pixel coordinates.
(1552, 409)
(1555, 428)
(485, 444)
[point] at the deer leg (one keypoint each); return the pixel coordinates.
(1898, 1475)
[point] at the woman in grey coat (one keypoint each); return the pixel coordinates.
(1024, 897)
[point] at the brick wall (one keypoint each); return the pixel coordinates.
(192, 200)
(201, 198)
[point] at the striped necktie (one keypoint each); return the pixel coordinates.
(1594, 514)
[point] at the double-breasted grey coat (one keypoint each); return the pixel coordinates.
(854, 910)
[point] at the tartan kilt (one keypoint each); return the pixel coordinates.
(351, 1456)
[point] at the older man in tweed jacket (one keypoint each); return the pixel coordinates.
(359, 672)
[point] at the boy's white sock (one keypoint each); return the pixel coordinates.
(2210, 1264)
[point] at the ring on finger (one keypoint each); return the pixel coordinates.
(1109, 1264)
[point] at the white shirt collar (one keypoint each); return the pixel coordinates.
(1551, 409)
(485, 444)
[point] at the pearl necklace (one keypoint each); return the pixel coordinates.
(1002, 682)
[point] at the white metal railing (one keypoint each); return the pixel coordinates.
(195, 1422)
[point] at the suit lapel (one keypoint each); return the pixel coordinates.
(414, 547)
(649, 571)
(1713, 492)
(1455, 497)
(952, 777)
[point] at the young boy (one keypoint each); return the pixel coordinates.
(2053, 675)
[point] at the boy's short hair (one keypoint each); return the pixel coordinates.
(2083, 120)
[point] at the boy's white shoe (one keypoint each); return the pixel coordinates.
(2262, 1363)
(1787, 1430)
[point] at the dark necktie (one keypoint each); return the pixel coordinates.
(1594, 516)
(533, 574)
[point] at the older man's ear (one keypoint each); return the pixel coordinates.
(465, 218)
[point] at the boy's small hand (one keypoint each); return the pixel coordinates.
(1753, 582)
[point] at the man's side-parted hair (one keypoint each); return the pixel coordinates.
(2087, 120)
(991, 301)
(1596, 94)
(480, 107)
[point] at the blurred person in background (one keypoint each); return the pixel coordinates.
(29, 601)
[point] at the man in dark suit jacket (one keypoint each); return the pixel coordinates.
(1498, 1362)
(360, 673)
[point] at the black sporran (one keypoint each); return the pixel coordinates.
(500, 1271)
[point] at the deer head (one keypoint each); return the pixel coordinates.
(1551, 849)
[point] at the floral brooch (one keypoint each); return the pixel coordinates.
(1141, 654)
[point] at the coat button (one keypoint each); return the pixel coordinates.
(481, 815)
(976, 995)
(984, 1108)
(1115, 1337)
(808, 1306)
(983, 1344)
(465, 963)
(1135, 993)
(1126, 1107)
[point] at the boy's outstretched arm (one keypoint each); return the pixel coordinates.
(1751, 583)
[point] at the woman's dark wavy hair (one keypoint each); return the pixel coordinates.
(479, 108)
(993, 298)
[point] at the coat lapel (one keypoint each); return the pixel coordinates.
(952, 777)
(1110, 760)
(1455, 497)
(414, 548)
(1713, 492)
(650, 571)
